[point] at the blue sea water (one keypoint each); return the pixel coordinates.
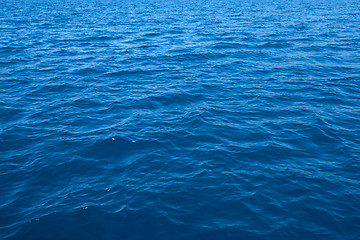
(180, 119)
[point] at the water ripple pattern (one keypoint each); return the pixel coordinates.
(180, 119)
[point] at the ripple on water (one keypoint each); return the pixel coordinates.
(179, 119)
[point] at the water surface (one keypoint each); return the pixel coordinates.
(180, 119)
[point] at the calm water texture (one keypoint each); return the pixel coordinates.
(180, 119)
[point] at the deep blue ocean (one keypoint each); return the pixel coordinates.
(180, 119)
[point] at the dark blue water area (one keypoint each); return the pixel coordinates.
(180, 119)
